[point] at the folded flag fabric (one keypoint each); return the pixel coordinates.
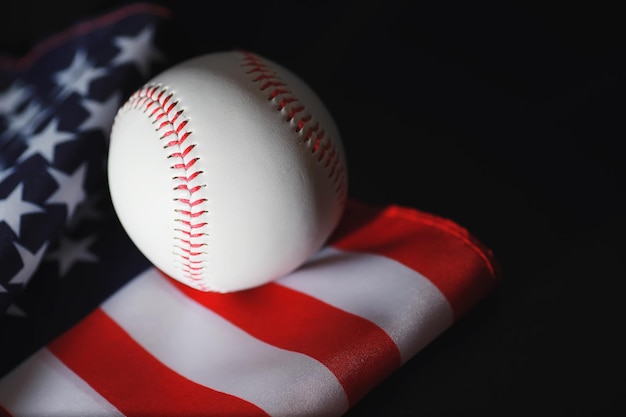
(312, 343)
(57, 104)
(90, 327)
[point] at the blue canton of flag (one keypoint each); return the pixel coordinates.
(56, 109)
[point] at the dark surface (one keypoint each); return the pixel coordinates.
(506, 118)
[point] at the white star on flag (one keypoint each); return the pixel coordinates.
(70, 191)
(30, 262)
(138, 50)
(6, 173)
(15, 311)
(78, 76)
(46, 141)
(13, 97)
(23, 123)
(71, 252)
(14, 207)
(101, 114)
(86, 211)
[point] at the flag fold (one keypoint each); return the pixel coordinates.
(90, 327)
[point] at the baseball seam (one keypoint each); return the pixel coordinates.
(167, 116)
(309, 130)
(164, 112)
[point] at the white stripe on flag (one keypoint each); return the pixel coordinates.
(396, 298)
(43, 386)
(205, 348)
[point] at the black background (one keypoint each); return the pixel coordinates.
(506, 117)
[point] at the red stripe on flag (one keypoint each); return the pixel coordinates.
(459, 265)
(104, 356)
(356, 351)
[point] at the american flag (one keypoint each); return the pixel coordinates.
(90, 327)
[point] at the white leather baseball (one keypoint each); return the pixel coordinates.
(227, 171)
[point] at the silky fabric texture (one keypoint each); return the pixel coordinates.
(312, 343)
(92, 328)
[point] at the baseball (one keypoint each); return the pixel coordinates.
(226, 171)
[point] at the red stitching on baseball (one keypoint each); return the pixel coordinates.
(303, 122)
(185, 166)
(315, 136)
(162, 109)
(189, 178)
